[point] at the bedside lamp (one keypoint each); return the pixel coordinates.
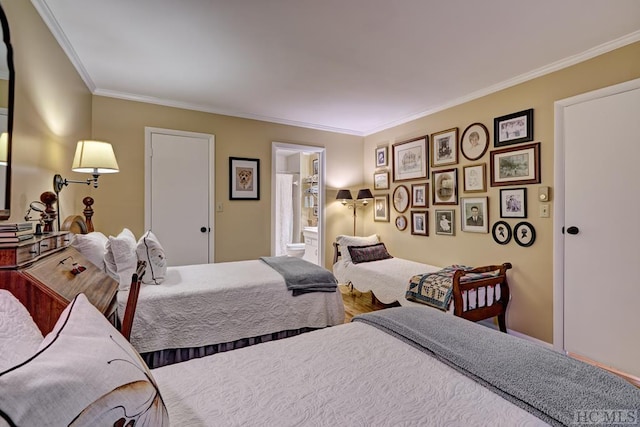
(362, 199)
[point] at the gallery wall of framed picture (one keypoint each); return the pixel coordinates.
(429, 167)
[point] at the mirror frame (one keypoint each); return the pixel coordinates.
(6, 212)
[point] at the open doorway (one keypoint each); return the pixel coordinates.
(297, 202)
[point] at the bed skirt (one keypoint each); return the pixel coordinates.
(156, 359)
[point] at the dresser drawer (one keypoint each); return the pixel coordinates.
(48, 244)
(63, 241)
(24, 254)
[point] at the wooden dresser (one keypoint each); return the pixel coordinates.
(38, 272)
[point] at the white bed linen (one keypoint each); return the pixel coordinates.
(349, 375)
(388, 280)
(19, 335)
(208, 304)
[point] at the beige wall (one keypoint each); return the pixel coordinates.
(242, 230)
(52, 110)
(531, 306)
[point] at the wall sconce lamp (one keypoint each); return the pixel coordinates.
(4, 149)
(94, 157)
(362, 199)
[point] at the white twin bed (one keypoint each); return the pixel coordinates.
(401, 366)
(191, 311)
(476, 294)
(200, 305)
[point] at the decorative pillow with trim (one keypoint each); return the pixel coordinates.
(150, 250)
(84, 374)
(92, 246)
(345, 241)
(368, 253)
(121, 259)
(19, 335)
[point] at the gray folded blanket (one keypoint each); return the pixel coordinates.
(550, 385)
(302, 276)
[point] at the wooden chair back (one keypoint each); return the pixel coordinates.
(132, 301)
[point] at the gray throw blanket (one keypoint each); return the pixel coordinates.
(302, 276)
(545, 383)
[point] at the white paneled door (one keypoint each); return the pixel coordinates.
(601, 289)
(179, 194)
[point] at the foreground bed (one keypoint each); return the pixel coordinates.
(477, 294)
(401, 366)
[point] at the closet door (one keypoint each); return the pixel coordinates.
(179, 194)
(602, 251)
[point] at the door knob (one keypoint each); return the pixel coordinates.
(573, 230)
(203, 229)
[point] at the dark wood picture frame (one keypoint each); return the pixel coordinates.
(244, 178)
(420, 223)
(475, 141)
(420, 195)
(445, 222)
(513, 128)
(382, 156)
(444, 185)
(381, 181)
(381, 208)
(515, 165)
(444, 148)
(401, 222)
(474, 178)
(410, 159)
(401, 198)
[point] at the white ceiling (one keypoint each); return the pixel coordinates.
(351, 66)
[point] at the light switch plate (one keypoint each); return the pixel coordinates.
(544, 210)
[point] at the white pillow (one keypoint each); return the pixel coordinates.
(86, 374)
(121, 259)
(345, 241)
(19, 335)
(150, 250)
(92, 246)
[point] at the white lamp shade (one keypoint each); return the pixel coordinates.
(4, 149)
(94, 157)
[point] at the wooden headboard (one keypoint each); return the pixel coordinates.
(76, 223)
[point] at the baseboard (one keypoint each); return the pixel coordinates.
(529, 338)
(493, 324)
(631, 378)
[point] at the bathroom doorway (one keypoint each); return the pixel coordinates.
(297, 202)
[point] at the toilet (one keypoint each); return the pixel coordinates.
(295, 249)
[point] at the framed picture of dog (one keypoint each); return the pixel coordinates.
(244, 178)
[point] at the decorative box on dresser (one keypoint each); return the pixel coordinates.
(39, 273)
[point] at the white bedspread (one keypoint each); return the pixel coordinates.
(350, 375)
(388, 280)
(207, 304)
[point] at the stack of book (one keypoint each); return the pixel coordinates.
(14, 232)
